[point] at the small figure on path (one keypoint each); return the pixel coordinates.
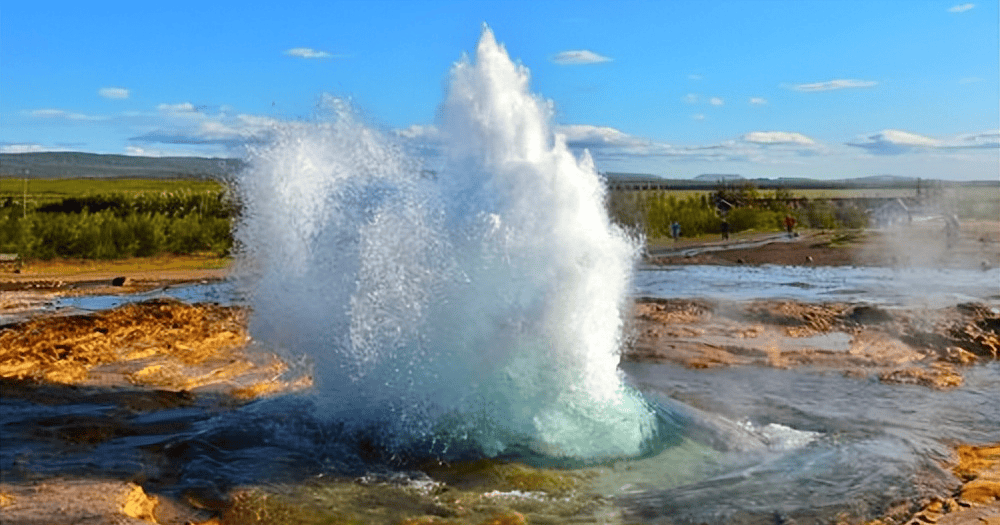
(675, 230)
(952, 230)
(725, 229)
(789, 224)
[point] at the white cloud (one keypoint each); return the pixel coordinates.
(961, 8)
(894, 142)
(608, 144)
(114, 92)
(137, 151)
(897, 142)
(778, 137)
(694, 76)
(579, 56)
(834, 84)
(586, 136)
(757, 101)
(32, 147)
(970, 80)
(698, 116)
(307, 52)
(611, 146)
(60, 114)
(185, 123)
(183, 107)
(984, 139)
(695, 98)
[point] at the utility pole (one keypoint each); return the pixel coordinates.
(24, 200)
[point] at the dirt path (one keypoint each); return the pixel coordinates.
(920, 244)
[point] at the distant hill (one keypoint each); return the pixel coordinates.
(711, 181)
(718, 177)
(61, 165)
(882, 180)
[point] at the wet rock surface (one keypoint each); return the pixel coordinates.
(922, 347)
(160, 343)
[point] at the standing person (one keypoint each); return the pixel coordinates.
(789, 224)
(675, 230)
(725, 229)
(952, 230)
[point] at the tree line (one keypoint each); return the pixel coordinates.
(119, 225)
(651, 212)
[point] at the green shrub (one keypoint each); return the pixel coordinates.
(117, 225)
(650, 213)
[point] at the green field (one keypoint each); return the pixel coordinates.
(38, 192)
(139, 217)
(650, 212)
(114, 218)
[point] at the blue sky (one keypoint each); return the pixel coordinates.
(767, 88)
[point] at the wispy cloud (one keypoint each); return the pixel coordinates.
(145, 151)
(185, 123)
(307, 52)
(116, 93)
(420, 132)
(985, 139)
(757, 101)
(898, 142)
(612, 145)
(25, 147)
(893, 142)
(61, 114)
(778, 137)
(961, 8)
(698, 116)
(695, 98)
(579, 56)
(179, 108)
(595, 137)
(834, 84)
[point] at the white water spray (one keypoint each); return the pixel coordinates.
(478, 307)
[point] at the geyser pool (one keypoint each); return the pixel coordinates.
(476, 307)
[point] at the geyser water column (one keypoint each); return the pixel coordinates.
(475, 309)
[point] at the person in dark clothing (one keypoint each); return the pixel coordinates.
(789, 224)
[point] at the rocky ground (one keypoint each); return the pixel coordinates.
(166, 354)
(927, 348)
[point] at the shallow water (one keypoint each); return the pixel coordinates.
(911, 287)
(476, 312)
(222, 292)
(836, 443)
(749, 444)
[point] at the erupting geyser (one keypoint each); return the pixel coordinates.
(473, 308)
